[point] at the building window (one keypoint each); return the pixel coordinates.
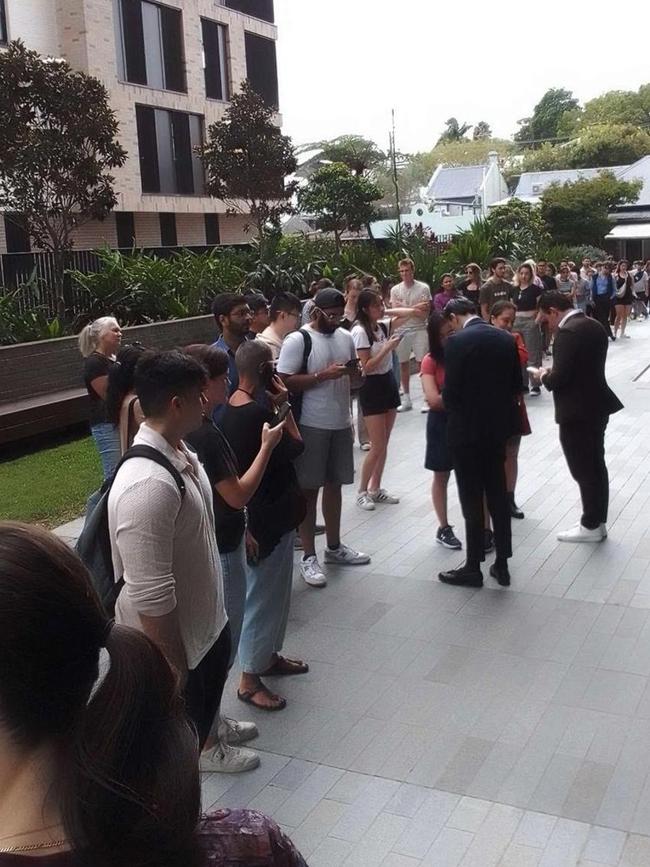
(167, 142)
(3, 23)
(168, 236)
(16, 234)
(212, 237)
(149, 41)
(256, 8)
(262, 68)
(215, 59)
(125, 227)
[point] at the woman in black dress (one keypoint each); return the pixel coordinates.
(624, 298)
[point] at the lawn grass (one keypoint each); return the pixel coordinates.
(49, 486)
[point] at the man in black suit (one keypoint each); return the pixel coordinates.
(482, 386)
(583, 404)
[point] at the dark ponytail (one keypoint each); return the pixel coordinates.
(366, 298)
(127, 779)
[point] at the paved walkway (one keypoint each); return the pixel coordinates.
(444, 726)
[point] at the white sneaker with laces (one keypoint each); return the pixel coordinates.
(365, 447)
(425, 408)
(582, 534)
(224, 759)
(365, 502)
(233, 731)
(345, 556)
(382, 496)
(406, 403)
(311, 571)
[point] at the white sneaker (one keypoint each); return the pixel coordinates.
(233, 732)
(224, 759)
(425, 408)
(365, 502)
(382, 496)
(406, 404)
(311, 572)
(345, 556)
(365, 447)
(582, 534)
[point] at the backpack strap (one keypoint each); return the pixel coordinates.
(152, 454)
(306, 351)
(384, 328)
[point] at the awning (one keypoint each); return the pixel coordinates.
(629, 231)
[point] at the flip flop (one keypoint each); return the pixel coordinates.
(285, 667)
(249, 696)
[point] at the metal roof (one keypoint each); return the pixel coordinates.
(458, 182)
(534, 183)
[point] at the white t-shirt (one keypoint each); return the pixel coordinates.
(408, 296)
(361, 342)
(326, 405)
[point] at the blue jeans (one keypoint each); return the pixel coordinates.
(234, 569)
(107, 440)
(268, 598)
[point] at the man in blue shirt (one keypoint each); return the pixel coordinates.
(603, 292)
(233, 317)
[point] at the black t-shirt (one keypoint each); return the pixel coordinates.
(220, 462)
(528, 297)
(94, 366)
(278, 505)
(495, 290)
(550, 283)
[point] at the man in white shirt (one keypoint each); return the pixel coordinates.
(325, 426)
(285, 313)
(409, 293)
(164, 547)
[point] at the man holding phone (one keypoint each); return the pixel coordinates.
(325, 425)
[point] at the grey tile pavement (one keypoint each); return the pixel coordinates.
(444, 726)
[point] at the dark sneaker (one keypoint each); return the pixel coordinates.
(462, 577)
(445, 537)
(488, 541)
(500, 574)
(535, 390)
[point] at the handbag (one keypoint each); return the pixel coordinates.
(622, 290)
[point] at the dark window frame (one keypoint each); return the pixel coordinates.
(262, 67)
(245, 7)
(133, 50)
(216, 66)
(125, 229)
(187, 180)
(212, 229)
(168, 229)
(4, 35)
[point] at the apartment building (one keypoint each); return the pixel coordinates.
(170, 69)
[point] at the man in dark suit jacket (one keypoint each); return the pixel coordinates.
(583, 404)
(482, 386)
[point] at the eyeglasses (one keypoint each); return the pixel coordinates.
(332, 317)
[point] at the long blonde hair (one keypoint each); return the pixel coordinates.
(89, 336)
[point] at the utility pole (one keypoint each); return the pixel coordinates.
(393, 160)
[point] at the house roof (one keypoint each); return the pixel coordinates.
(531, 184)
(458, 182)
(640, 170)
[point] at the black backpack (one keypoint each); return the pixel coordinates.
(295, 397)
(94, 543)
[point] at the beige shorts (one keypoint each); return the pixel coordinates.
(416, 342)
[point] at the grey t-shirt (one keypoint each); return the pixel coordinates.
(326, 405)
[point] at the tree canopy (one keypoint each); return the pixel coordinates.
(482, 130)
(545, 120)
(247, 161)
(361, 155)
(455, 131)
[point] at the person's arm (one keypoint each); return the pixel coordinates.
(99, 385)
(290, 364)
(484, 301)
(452, 391)
(238, 490)
(431, 393)
(166, 633)
(369, 363)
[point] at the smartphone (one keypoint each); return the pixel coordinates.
(351, 366)
(281, 414)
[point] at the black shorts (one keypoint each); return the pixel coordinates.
(378, 394)
(438, 456)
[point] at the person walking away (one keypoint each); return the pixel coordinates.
(122, 405)
(603, 293)
(525, 323)
(409, 293)
(624, 298)
(583, 404)
(495, 288)
(98, 343)
(481, 391)
(274, 511)
(325, 426)
(438, 456)
(502, 316)
(284, 315)
(447, 292)
(163, 543)
(231, 493)
(378, 395)
(259, 308)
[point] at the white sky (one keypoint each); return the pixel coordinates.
(343, 64)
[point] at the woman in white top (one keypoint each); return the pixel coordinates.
(378, 396)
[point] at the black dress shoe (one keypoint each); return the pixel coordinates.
(462, 577)
(488, 541)
(515, 511)
(501, 574)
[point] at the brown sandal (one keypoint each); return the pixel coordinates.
(248, 697)
(285, 667)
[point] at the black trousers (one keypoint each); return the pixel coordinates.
(480, 471)
(602, 312)
(205, 683)
(583, 445)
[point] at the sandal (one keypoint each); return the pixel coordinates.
(285, 667)
(248, 697)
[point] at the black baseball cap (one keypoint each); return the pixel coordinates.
(329, 297)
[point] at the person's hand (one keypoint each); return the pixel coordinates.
(333, 371)
(536, 373)
(271, 436)
(278, 393)
(394, 341)
(252, 548)
(422, 309)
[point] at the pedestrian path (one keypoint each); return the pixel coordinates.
(445, 726)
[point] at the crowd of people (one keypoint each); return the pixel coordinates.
(215, 459)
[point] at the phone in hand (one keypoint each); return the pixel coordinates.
(280, 415)
(351, 366)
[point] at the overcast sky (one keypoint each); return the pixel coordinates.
(343, 64)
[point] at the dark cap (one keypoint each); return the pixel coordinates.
(329, 297)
